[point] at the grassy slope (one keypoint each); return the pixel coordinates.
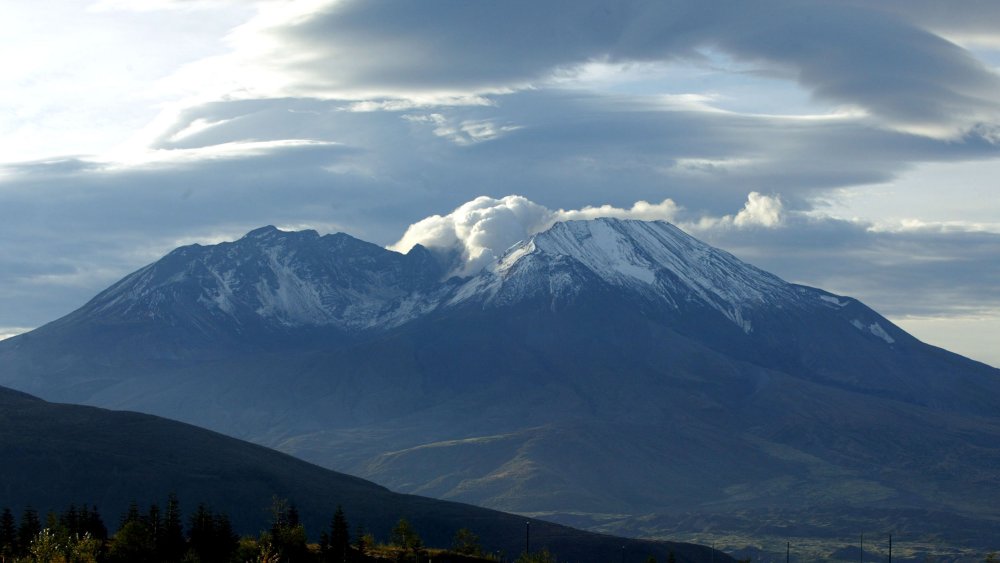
(54, 454)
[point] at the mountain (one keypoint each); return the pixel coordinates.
(600, 372)
(57, 454)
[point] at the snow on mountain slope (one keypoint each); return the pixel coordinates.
(593, 349)
(287, 279)
(280, 280)
(655, 259)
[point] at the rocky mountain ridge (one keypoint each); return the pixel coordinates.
(301, 279)
(599, 367)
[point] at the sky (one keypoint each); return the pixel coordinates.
(852, 145)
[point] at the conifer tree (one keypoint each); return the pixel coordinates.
(134, 541)
(466, 543)
(70, 520)
(8, 535)
(288, 536)
(340, 537)
(132, 515)
(26, 532)
(154, 521)
(405, 537)
(201, 530)
(170, 542)
(211, 536)
(93, 524)
(361, 543)
(226, 540)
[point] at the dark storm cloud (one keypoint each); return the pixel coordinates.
(843, 53)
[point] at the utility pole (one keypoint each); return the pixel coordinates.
(890, 548)
(862, 548)
(788, 551)
(527, 537)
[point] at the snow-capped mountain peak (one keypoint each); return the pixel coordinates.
(607, 247)
(277, 280)
(653, 258)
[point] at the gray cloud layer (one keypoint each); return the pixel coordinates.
(921, 272)
(74, 226)
(402, 110)
(844, 53)
(574, 148)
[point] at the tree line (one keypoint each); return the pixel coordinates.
(78, 534)
(153, 534)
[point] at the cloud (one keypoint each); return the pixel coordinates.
(87, 75)
(466, 132)
(846, 54)
(959, 19)
(71, 229)
(220, 169)
(364, 116)
(666, 210)
(480, 231)
(914, 273)
(972, 336)
(930, 272)
(562, 148)
(759, 210)
(155, 5)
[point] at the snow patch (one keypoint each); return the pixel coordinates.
(221, 296)
(485, 283)
(880, 332)
(293, 300)
(834, 300)
(744, 324)
(656, 262)
(515, 253)
(599, 247)
(654, 258)
(874, 329)
(615, 253)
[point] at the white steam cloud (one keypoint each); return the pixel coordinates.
(480, 231)
(760, 210)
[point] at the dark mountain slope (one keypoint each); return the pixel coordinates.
(599, 367)
(55, 454)
(646, 420)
